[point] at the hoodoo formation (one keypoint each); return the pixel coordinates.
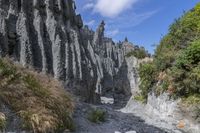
(47, 52)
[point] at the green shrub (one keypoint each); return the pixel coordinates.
(164, 60)
(182, 32)
(138, 53)
(147, 75)
(186, 71)
(190, 57)
(178, 54)
(6, 69)
(97, 116)
(140, 98)
(192, 99)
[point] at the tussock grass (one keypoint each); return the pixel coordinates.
(2, 121)
(39, 100)
(97, 116)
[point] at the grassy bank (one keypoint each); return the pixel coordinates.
(39, 100)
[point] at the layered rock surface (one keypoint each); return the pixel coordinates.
(165, 113)
(49, 36)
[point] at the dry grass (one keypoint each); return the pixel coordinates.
(39, 100)
(2, 121)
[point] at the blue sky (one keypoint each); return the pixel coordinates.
(144, 22)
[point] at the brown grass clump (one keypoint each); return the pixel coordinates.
(2, 121)
(39, 100)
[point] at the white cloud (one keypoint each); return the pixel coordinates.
(88, 6)
(130, 20)
(90, 23)
(112, 8)
(125, 24)
(112, 33)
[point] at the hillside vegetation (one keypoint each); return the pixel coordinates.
(41, 103)
(138, 52)
(176, 65)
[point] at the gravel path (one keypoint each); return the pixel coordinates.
(116, 122)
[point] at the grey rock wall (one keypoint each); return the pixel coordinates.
(10, 117)
(165, 113)
(49, 36)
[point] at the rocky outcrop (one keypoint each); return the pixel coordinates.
(161, 111)
(8, 116)
(116, 122)
(165, 113)
(49, 36)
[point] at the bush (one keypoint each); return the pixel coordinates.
(182, 32)
(97, 116)
(190, 57)
(178, 54)
(138, 53)
(147, 73)
(186, 71)
(39, 100)
(192, 99)
(140, 98)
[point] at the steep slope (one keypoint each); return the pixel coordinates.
(48, 35)
(176, 59)
(30, 101)
(169, 84)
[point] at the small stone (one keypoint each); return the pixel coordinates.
(181, 124)
(131, 132)
(67, 131)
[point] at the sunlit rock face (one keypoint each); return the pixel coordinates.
(126, 81)
(163, 112)
(49, 36)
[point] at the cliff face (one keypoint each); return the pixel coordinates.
(49, 36)
(163, 112)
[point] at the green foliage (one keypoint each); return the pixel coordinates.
(186, 71)
(97, 116)
(39, 100)
(164, 54)
(178, 55)
(138, 53)
(181, 33)
(32, 83)
(192, 99)
(140, 98)
(147, 75)
(7, 70)
(165, 85)
(190, 57)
